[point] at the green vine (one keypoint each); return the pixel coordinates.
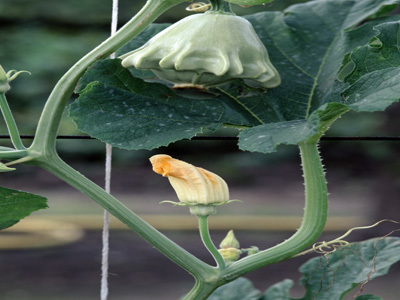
(314, 219)
(205, 237)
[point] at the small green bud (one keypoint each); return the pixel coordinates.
(3, 74)
(230, 254)
(5, 78)
(4, 86)
(229, 241)
(252, 250)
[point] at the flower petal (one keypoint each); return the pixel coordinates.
(191, 184)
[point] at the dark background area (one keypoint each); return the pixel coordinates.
(46, 37)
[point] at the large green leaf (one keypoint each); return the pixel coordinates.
(309, 54)
(333, 276)
(308, 43)
(129, 113)
(16, 205)
(239, 289)
(279, 291)
(376, 78)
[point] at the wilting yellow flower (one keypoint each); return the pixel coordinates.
(192, 185)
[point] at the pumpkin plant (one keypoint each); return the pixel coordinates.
(277, 77)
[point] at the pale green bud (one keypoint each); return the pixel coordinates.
(3, 75)
(252, 250)
(5, 78)
(230, 254)
(4, 86)
(230, 241)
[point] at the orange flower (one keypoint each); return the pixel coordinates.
(192, 185)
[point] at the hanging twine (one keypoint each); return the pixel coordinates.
(106, 226)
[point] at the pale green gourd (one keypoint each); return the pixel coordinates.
(206, 50)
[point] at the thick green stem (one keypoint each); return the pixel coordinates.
(181, 257)
(205, 237)
(14, 154)
(200, 291)
(11, 125)
(51, 116)
(315, 215)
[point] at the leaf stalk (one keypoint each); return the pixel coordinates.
(11, 125)
(205, 237)
(314, 219)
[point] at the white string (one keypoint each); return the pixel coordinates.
(106, 226)
(106, 230)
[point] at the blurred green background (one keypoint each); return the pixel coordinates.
(47, 37)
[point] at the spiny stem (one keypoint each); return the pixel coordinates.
(11, 125)
(315, 215)
(205, 237)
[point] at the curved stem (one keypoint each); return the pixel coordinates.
(315, 214)
(181, 257)
(51, 116)
(205, 237)
(11, 125)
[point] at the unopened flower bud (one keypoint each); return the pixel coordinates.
(5, 78)
(3, 75)
(252, 250)
(4, 86)
(230, 254)
(230, 241)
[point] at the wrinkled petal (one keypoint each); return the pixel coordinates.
(192, 184)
